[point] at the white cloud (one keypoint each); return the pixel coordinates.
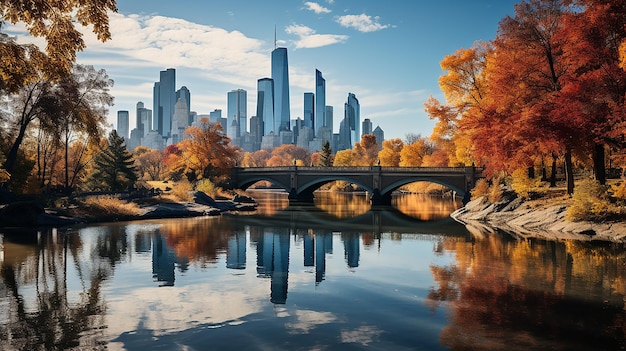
(227, 56)
(317, 8)
(362, 22)
(308, 38)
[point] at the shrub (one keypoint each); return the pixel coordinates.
(207, 187)
(181, 191)
(591, 202)
(481, 188)
(522, 184)
(619, 191)
(109, 206)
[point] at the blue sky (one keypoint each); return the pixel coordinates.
(385, 52)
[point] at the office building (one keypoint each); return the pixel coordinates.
(320, 102)
(352, 115)
(237, 114)
(280, 75)
(309, 110)
(122, 124)
(265, 106)
(367, 126)
(380, 136)
(184, 94)
(164, 99)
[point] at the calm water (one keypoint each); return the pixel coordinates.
(336, 276)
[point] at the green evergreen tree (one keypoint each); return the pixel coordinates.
(114, 167)
(326, 157)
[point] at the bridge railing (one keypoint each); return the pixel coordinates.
(362, 169)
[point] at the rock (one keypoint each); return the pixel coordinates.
(21, 214)
(244, 199)
(202, 198)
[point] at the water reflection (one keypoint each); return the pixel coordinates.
(302, 279)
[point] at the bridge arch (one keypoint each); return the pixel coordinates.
(250, 181)
(398, 184)
(311, 186)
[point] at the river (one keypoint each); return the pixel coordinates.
(334, 276)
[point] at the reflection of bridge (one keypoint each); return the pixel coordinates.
(379, 181)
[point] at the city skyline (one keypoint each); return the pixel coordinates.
(388, 54)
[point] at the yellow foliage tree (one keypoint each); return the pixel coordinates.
(390, 154)
(345, 158)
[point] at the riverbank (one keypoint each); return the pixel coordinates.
(32, 214)
(544, 219)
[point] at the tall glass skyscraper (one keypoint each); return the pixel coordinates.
(320, 102)
(237, 113)
(309, 112)
(352, 114)
(265, 106)
(164, 100)
(280, 75)
(122, 124)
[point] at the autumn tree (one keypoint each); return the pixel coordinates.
(113, 168)
(593, 97)
(174, 162)
(57, 23)
(207, 152)
(367, 150)
(255, 159)
(84, 97)
(412, 155)
(73, 106)
(287, 155)
(390, 154)
(345, 158)
(149, 163)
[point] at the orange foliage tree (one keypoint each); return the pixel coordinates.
(366, 150)
(390, 154)
(255, 159)
(412, 155)
(207, 152)
(287, 154)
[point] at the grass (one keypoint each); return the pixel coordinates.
(103, 207)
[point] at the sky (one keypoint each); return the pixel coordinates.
(385, 52)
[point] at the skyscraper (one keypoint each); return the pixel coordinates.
(237, 113)
(122, 124)
(367, 126)
(352, 114)
(144, 119)
(309, 110)
(164, 100)
(280, 75)
(320, 101)
(265, 106)
(184, 94)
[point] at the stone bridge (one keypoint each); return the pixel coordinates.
(379, 182)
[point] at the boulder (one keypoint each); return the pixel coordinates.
(21, 214)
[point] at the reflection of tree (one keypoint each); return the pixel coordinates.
(342, 206)
(507, 294)
(52, 321)
(197, 239)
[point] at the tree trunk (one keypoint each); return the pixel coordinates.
(553, 175)
(599, 168)
(11, 159)
(569, 174)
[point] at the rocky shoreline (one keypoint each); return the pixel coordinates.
(31, 214)
(518, 218)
